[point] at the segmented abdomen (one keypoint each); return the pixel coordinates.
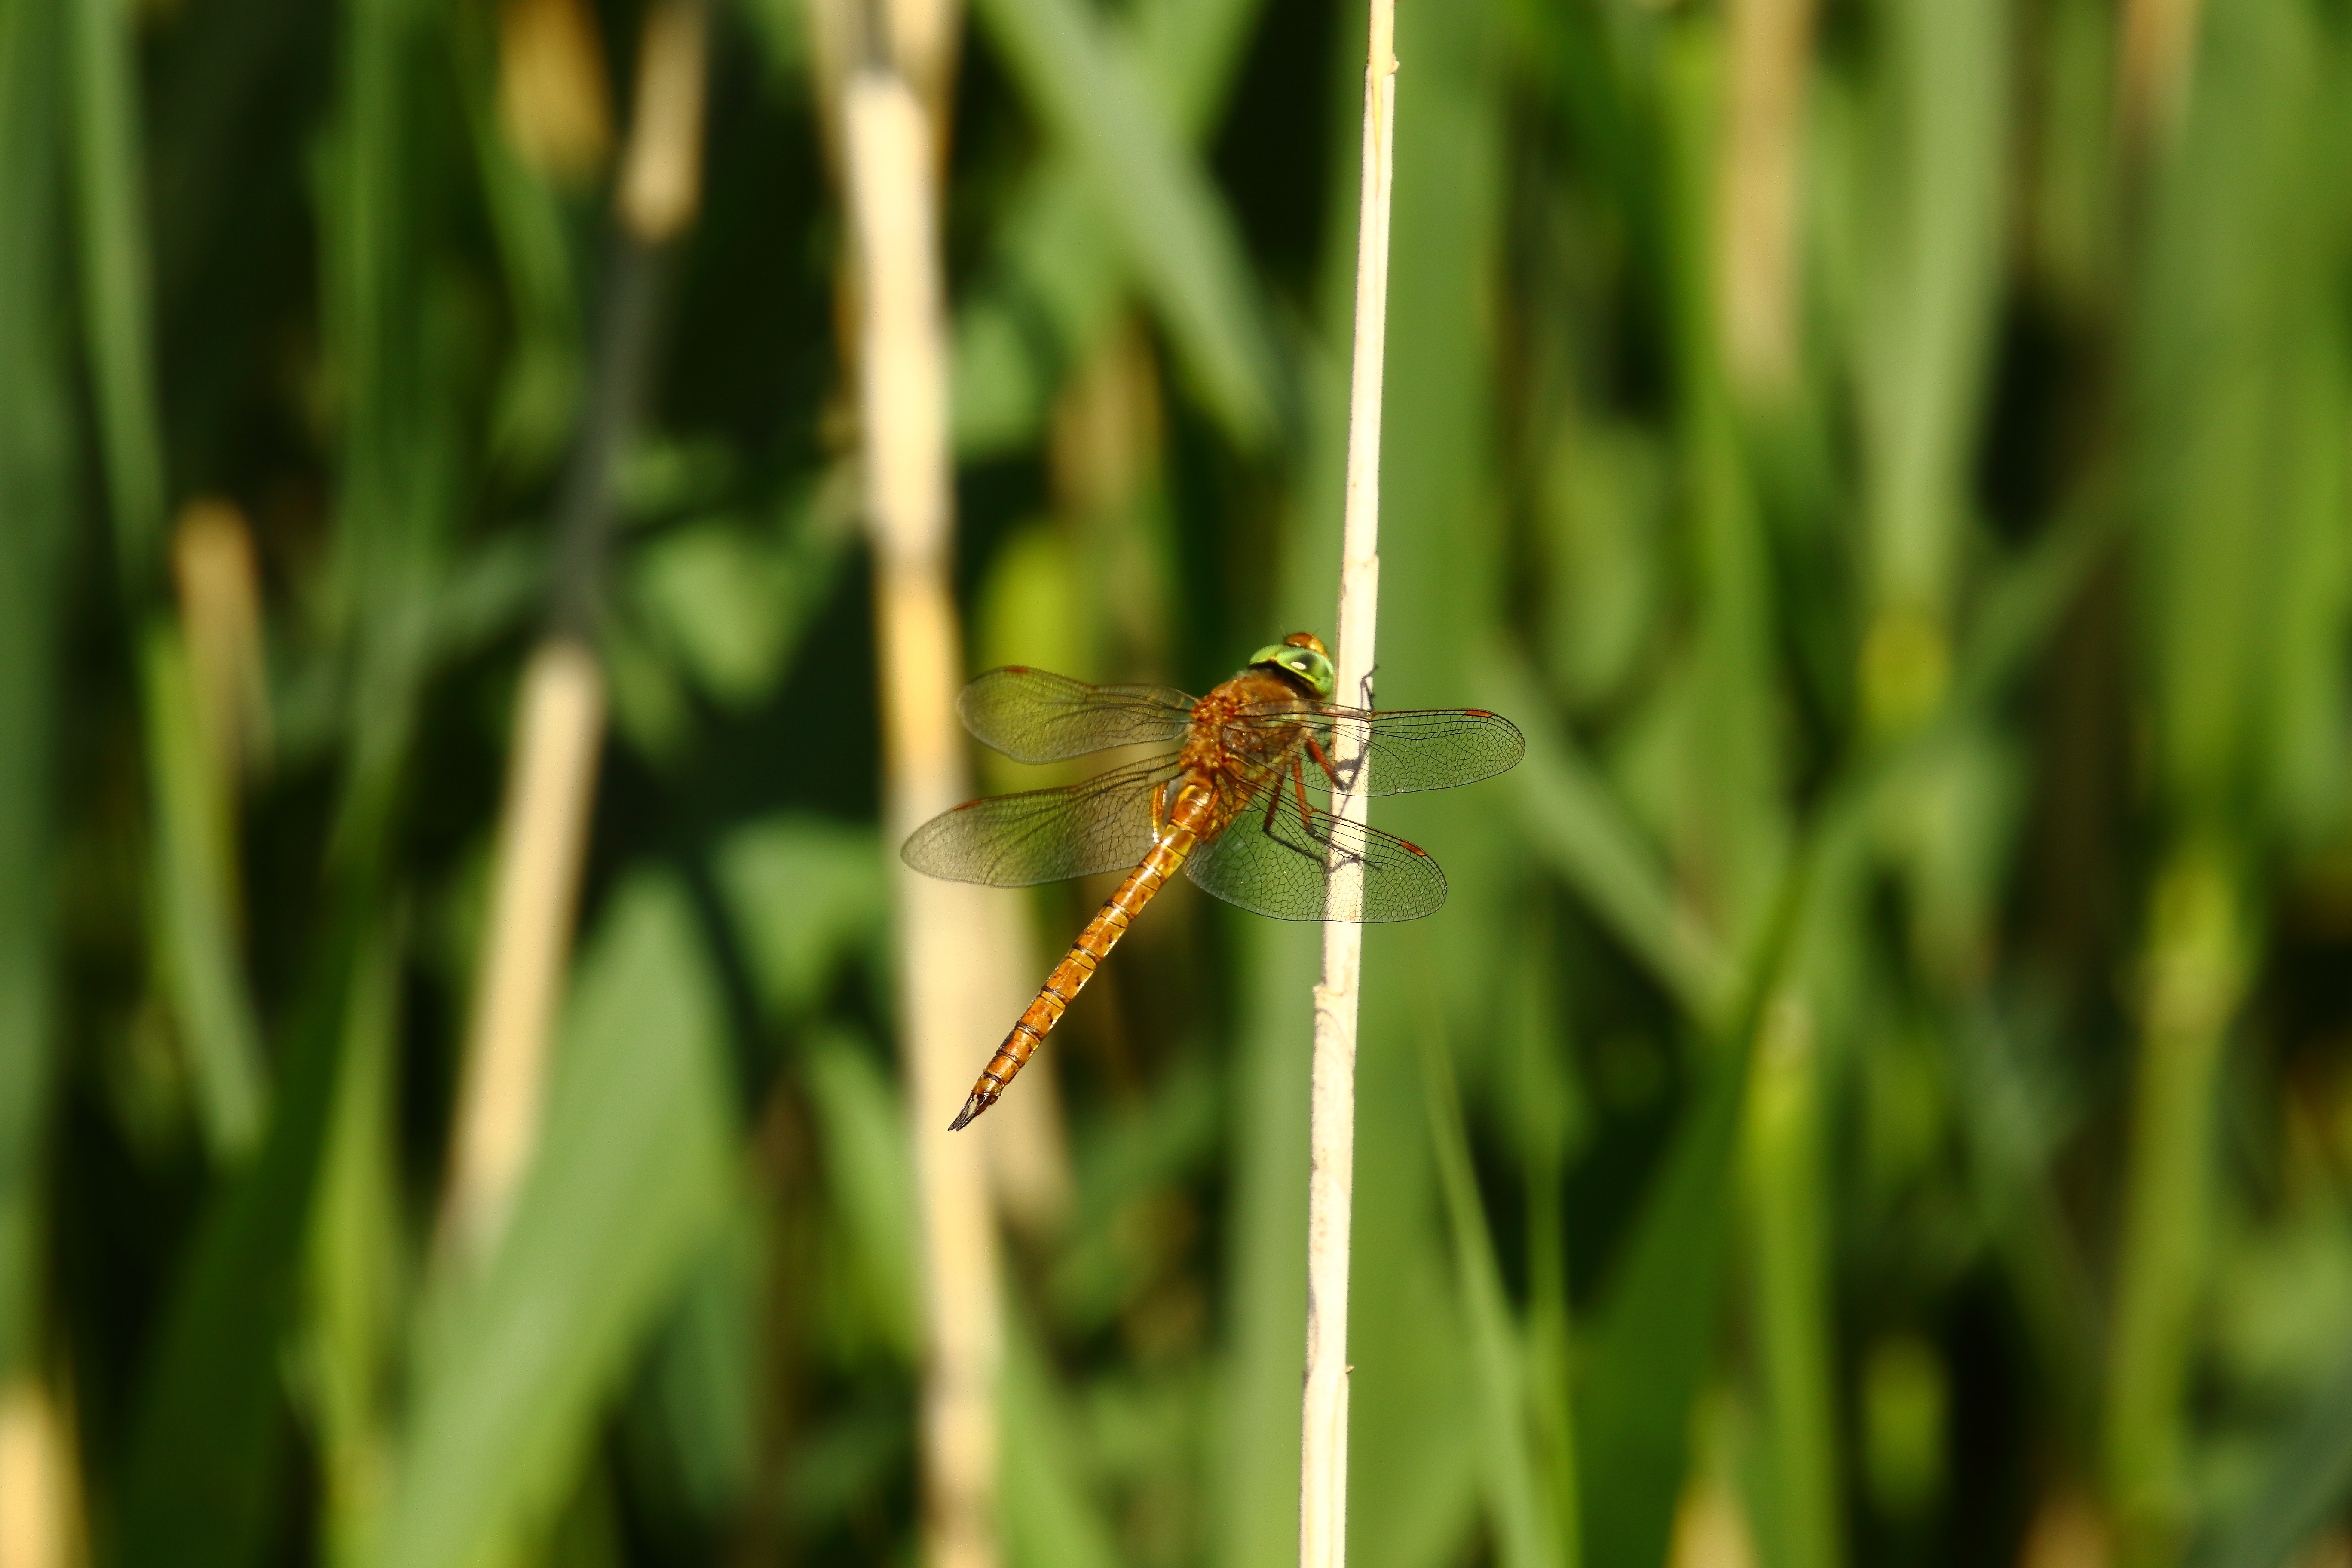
(1094, 944)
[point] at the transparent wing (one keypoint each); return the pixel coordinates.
(1407, 750)
(1045, 834)
(1033, 717)
(1274, 859)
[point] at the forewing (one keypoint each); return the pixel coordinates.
(1036, 717)
(1280, 864)
(1406, 750)
(1044, 834)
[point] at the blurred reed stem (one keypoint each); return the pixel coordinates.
(1788, 1205)
(560, 711)
(40, 1483)
(1757, 194)
(944, 947)
(2194, 976)
(2156, 50)
(1331, 1113)
(194, 874)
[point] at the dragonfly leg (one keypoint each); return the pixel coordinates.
(1273, 804)
(1314, 751)
(1299, 784)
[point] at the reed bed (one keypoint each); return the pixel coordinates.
(1877, 1093)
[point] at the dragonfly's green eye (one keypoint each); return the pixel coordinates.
(1303, 662)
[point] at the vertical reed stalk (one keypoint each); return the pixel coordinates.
(40, 1491)
(1756, 224)
(943, 967)
(1331, 1114)
(560, 711)
(2155, 54)
(2195, 977)
(1793, 1313)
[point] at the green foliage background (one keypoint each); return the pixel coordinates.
(1882, 1077)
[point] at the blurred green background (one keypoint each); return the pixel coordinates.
(1881, 1091)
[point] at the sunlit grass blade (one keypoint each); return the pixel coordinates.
(194, 902)
(1923, 346)
(351, 1289)
(631, 1180)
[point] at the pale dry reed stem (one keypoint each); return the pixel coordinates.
(661, 172)
(945, 946)
(1331, 1131)
(553, 99)
(560, 711)
(1711, 1528)
(2067, 1532)
(559, 730)
(1755, 220)
(40, 1503)
(2157, 55)
(922, 45)
(220, 586)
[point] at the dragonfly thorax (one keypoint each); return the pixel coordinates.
(1228, 756)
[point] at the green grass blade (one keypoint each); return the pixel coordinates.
(630, 1182)
(869, 1175)
(1254, 1457)
(192, 891)
(1055, 257)
(1653, 1338)
(1174, 227)
(1786, 1206)
(1929, 284)
(116, 307)
(206, 1448)
(2304, 1488)
(1048, 1519)
(36, 495)
(1575, 822)
(1526, 1522)
(351, 1286)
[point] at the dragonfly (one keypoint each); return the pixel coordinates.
(1229, 807)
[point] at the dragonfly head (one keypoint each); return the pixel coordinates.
(1300, 656)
